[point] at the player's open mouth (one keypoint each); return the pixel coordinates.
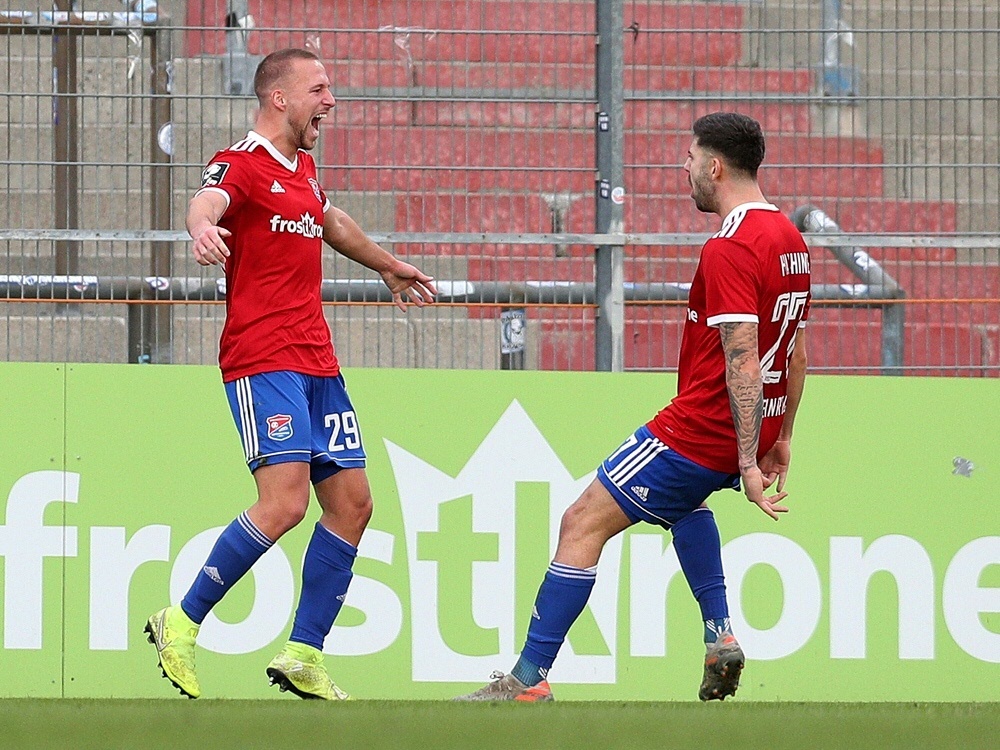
(316, 121)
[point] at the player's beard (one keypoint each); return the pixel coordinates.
(703, 193)
(304, 137)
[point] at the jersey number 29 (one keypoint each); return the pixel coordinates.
(345, 434)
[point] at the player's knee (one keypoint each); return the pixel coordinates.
(350, 509)
(576, 523)
(361, 509)
(296, 513)
(290, 514)
(275, 520)
(590, 520)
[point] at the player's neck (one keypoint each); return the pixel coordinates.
(737, 195)
(278, 135)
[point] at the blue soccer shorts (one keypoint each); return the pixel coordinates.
(286, 416)
(652, 483)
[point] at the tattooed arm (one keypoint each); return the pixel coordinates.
(746, 399)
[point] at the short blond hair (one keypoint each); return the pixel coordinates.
(274, 67)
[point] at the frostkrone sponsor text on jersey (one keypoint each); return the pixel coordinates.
(306, 226)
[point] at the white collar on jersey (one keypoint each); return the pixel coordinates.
(744, 207)
(279, 157)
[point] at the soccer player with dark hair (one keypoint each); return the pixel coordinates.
(740, 379)
(263, 216)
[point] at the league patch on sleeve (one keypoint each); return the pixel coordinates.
(214, 173)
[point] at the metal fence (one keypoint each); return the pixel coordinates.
(528, 154)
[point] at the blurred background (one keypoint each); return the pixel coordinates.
(527, 154)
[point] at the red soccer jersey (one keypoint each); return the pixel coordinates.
(274, 312)
(756, 269)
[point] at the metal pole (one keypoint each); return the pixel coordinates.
(838, 80)
(66, 144)
(893, 325)
(871, 273)
(831, 35)
(157, 319)
(515, 297)
(610, 185)
(238, 66)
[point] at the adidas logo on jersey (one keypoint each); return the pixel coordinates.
(276, 187)
(641, 492)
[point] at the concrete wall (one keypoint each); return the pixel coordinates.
(941, 144)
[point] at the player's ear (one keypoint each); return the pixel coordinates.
(278, 99)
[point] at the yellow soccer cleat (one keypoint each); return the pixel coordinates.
(299, 668)
(174, 634)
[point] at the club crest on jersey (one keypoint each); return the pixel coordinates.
(214, 173)
(279, 427)
(306, 225)
(315, 186)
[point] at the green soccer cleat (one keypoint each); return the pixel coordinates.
(506, 687)
(174, 634)
(723, 664)
(299, 668)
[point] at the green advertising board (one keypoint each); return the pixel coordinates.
(882, 583)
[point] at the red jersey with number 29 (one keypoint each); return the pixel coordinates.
(756, 269)
(274, 311)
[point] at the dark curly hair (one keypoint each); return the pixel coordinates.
(736, 138)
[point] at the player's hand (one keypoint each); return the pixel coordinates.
(774, 464)
(753, 486)
(404, 279)
(209, 247)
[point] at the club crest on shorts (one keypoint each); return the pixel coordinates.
(315, 186)
(279, 427)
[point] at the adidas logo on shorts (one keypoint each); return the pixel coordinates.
(641, 492)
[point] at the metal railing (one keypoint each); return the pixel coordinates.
(498, 140)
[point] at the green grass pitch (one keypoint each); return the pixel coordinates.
(365, 725)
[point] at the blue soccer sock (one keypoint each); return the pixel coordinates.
(716, 628)
(699, 550)
(239, 546)
(326, 574)
(561, 598)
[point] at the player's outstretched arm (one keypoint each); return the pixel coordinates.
(343, 234)
(776, 461)
(204, 211)
(746, 400)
